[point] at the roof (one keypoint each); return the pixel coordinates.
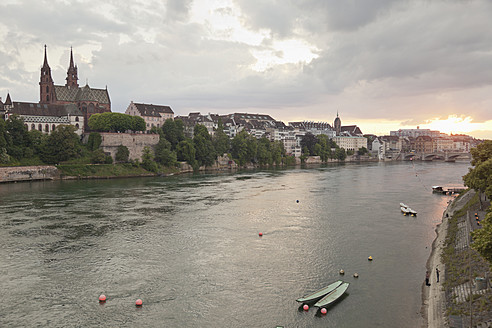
(352, 129)
(153, 110)
(86, 93)
(35, 109)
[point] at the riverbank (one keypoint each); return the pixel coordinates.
(442, 302)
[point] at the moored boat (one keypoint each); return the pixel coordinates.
(405, 210)
(320, 293)
(333, 296)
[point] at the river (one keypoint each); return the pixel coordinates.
(189, 247)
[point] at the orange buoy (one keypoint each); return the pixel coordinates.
(370, 258)
(260, 234)
(138, 302)
(102, 298)
(305, 307)
(323, 311)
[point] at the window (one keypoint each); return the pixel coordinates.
(77, 126)
(53, 127)
(47, 98)
(76, 118)
(33, 126)
(47, 128)
(47, 89)
(40, 127)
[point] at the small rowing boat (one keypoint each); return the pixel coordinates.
(320, 293)
(333, 296)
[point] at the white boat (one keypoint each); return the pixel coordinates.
(412, 212)
(320, 293)
(333, 296)
(405, 210)
(403, 205)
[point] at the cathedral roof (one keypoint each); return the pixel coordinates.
(153, 110)
(86, 93)
(24, 108)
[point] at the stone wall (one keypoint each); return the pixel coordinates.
(135, 142)
(28, 173)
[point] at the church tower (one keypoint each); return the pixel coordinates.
(72, 73)
(337, 125)
(46, 84)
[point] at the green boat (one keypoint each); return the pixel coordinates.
(320, 293)
(333, 295)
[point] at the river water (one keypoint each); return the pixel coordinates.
(189, 247)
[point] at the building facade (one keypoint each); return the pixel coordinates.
(153, 115)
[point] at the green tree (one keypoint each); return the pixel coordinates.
(205, 151)
(61, 145)
(340, 154)
(164, 154)
(122, 154)
(173, 131)
(148, 162)
(185, 151)
(363, 151)
(116, 122)
(94, 141)
(263, 152)
(278, 152)
(221, 140)
(482, 238)
(17, 137)
(307, 143)
(481, 153)
(239, 148)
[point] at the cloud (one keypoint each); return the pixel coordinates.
(403, 61)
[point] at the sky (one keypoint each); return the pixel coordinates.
(383, 65)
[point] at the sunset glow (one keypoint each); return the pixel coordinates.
(453, 124)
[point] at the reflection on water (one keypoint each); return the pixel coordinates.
(188, 246)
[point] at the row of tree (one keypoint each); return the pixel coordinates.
(479, 178)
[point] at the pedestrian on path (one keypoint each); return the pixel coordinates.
(437, 274)
(427, 276)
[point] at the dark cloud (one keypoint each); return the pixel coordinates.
(399, 60)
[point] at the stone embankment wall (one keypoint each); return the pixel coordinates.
(28, 173)
(135, 142)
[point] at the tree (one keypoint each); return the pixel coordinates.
(307, 143)
(61, 145)
(99, 157)
(340, 154)
(363, 151)
(173, 131)
(116, 122)
(221, 140)
(148, 162)
(239, 148)
(185, 151)
(94, 141)
(17, 137)
(482, 238)
(205, 151)
(122, 154)
(278, 152)
(481, 153)
(164, 154)
(263, 152)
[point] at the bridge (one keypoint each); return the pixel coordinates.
(442, 156)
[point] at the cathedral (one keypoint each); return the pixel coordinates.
(88, 100)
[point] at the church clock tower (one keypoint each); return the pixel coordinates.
(46, 84)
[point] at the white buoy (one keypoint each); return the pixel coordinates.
(356, 275)
(342, 272)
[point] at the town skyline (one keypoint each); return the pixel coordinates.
(226, 56)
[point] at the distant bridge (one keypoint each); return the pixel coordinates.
(442, 156)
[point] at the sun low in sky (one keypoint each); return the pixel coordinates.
(383, 65)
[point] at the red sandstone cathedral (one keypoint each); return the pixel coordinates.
(88, 100)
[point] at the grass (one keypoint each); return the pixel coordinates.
(458, 265)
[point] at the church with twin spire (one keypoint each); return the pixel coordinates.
(88, 100)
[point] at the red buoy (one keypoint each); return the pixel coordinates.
(260, 234)
(323, 311)
(305, 307)
(138, 302)
(102, 298)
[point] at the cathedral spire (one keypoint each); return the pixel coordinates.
(46, 84)
(45, 64)
(72, 73)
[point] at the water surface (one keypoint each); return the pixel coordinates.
(188, 246)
